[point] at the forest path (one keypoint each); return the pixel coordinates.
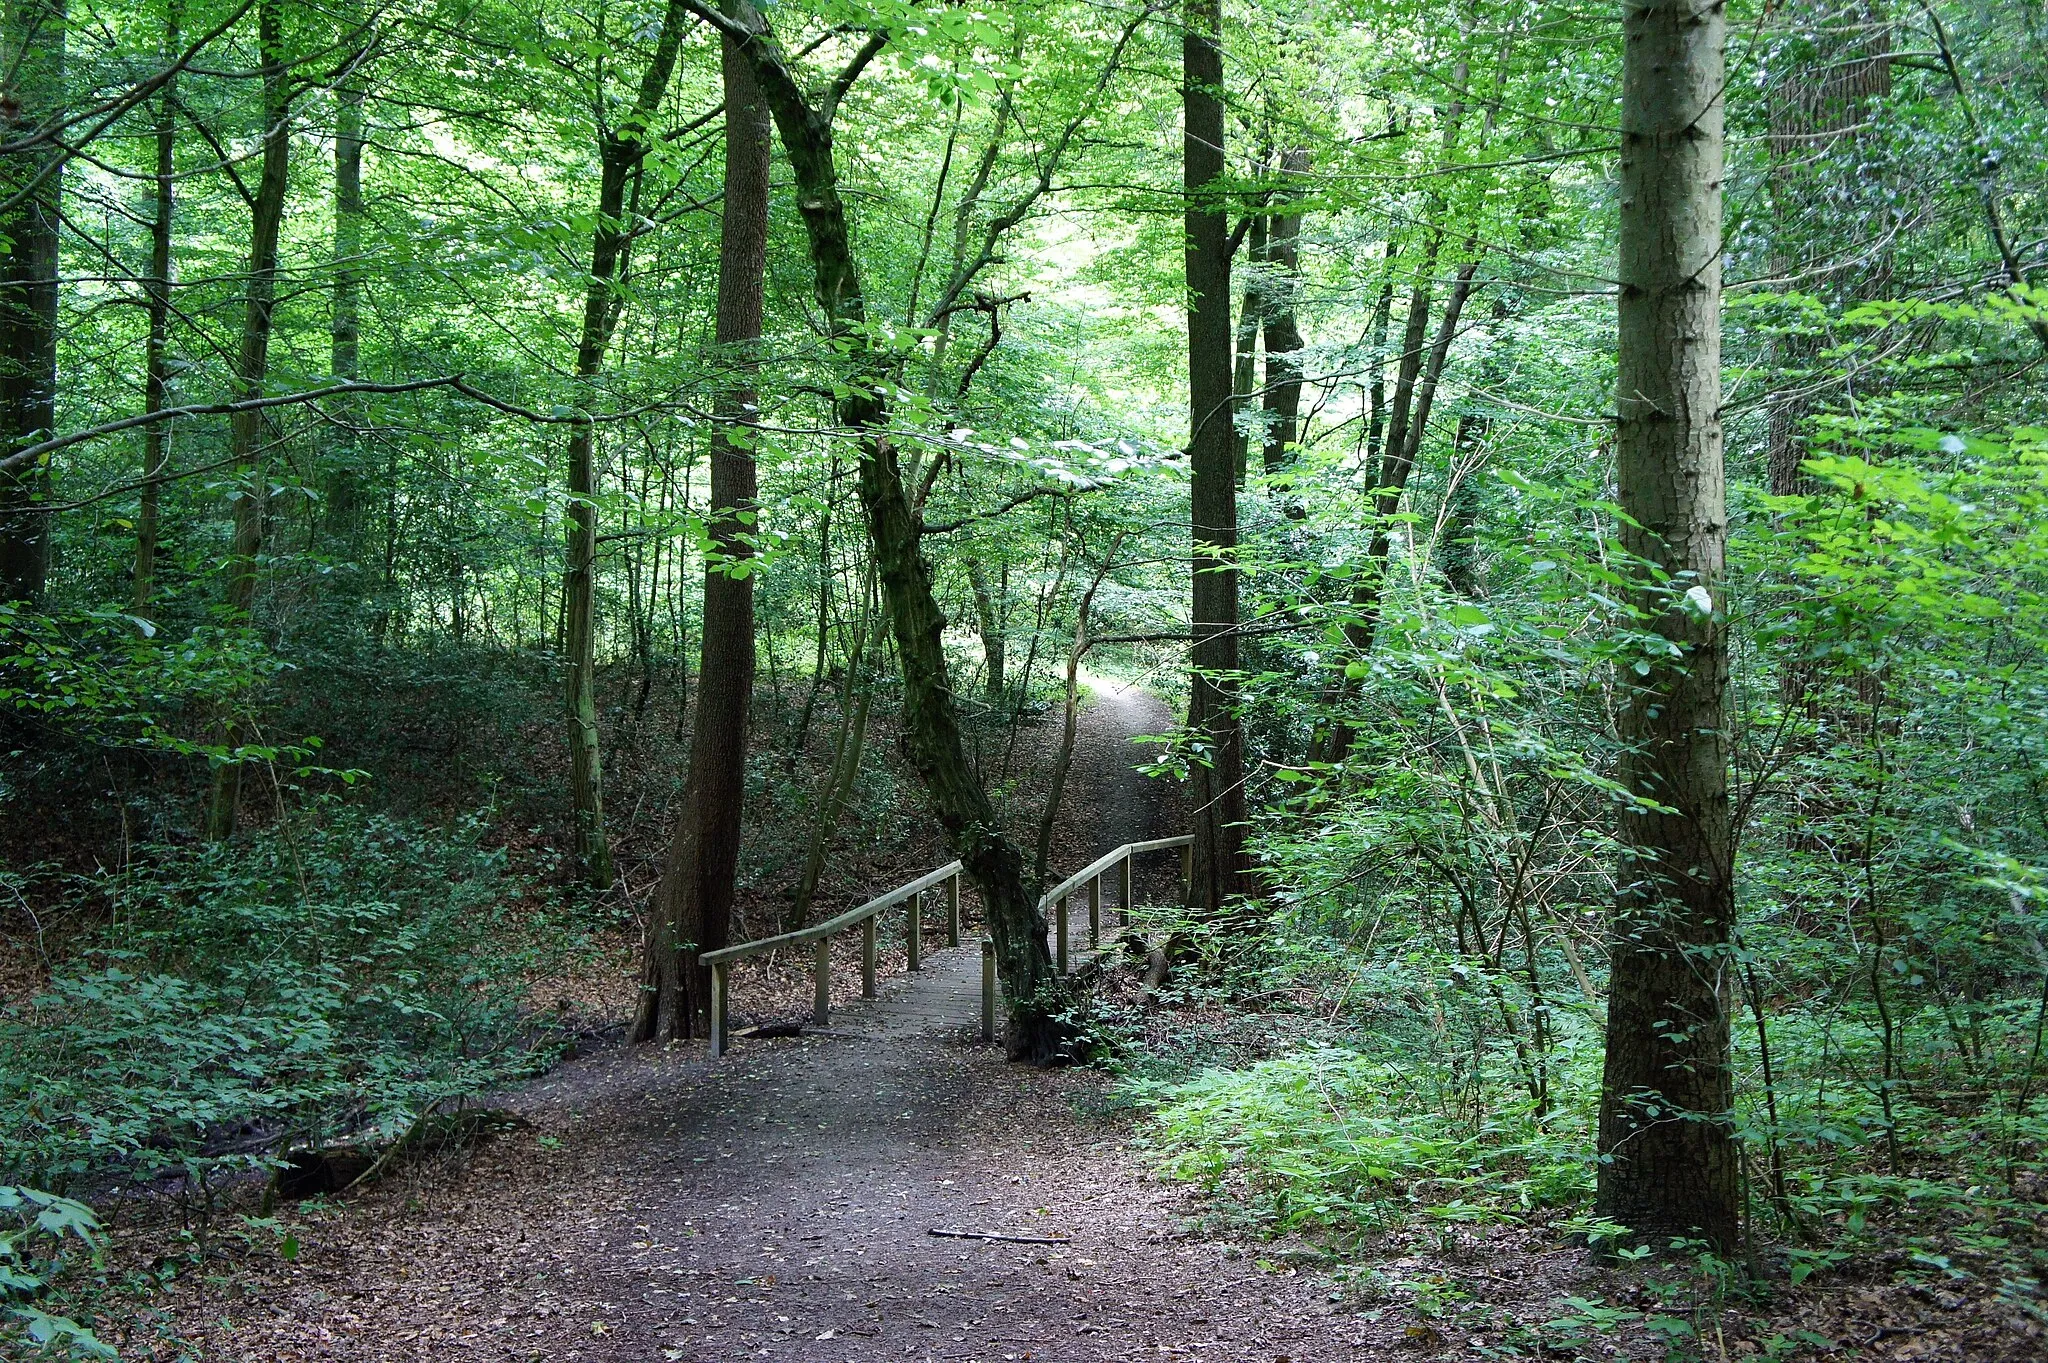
(781, 1204)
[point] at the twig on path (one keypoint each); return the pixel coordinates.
(997, 1235)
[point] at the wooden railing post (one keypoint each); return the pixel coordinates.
(867, 957)
(953, 911)
(718, 990)
(1127, 888)
(1187, 873)
(821, 984)
(988, 989)
(913, 928)
(1095, 911)
(1060, 936)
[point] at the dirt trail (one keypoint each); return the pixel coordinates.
(779, 1204)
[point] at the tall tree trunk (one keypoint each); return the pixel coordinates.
(1376, 393)
(856, 700)
(156, 438)
(995, 645)
(344, 483)
(1218, 803)
(693, 906)
(1283, 325)
(620, 151)
(252, 367)
(1415, 381)
(1823, 99)
(1251, 315)
(931, 724)
(1460, 554)
(1669, 1164)
(1070, 719)
(31, 181)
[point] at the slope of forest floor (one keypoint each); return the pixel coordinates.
(782, 1204)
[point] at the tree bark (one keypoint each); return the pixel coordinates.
(1669, 1163)
(252, 367)
(32, 36)
(693, 905)
(344, 492)
(156, 438)
(1460, 553)
(1812, 107)
(620, 151)
(1251, 314)
(1283, 325)
(1376, 394)
(932, 738)
(856, 700)
(990, 616)
(1218, 803)
(1414, 395)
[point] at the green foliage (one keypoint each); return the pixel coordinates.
(328, 976)
(1331, 1141)
(39, 1232)
(115, 680)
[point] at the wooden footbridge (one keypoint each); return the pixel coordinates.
(912, 898)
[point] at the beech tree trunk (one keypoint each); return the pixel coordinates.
(156, 438)
(693, 905)
(1414, 395)
(1415, 382)
(1376, 393)
(1283, 326)
(1217, 803)
(1820, 102)
(1460, 554)
(995, 647)
(252, 367)
(620, 151)
(1251, 313)
(31, 181)
(1032, 991)
(1669, 1163)
(344, 492)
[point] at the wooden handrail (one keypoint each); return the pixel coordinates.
(1109, 859)
(832, 927)
(820, 936)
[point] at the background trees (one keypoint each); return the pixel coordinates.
(381, 402)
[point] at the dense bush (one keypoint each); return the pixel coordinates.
(328, 975)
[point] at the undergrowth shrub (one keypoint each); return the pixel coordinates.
(324, 977)
(40, 1237)
(1332, 1141)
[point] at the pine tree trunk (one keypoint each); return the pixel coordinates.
(252, 367)
(156, 438)
(32, 47)
(693, 905)
(1669, 1163)
(1217, 802)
